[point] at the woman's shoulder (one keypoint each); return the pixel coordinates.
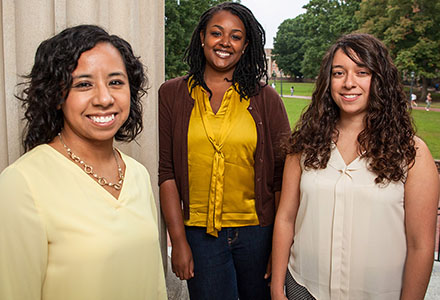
(173, 83)
(421, 147)
(423, 160)
(34, 158)
(266, 89)
(31, 165)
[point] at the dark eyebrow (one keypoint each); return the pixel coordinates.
(337, 66)
(109, 75)
(221, 28)
(82, 76)
(117, 74)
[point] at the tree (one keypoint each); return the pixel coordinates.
(300, 43)
(181, 18)
(288, 51)
(411, 30)
(325, 22)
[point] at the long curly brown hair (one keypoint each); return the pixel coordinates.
(387, 141)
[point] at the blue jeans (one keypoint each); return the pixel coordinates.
(231, 266)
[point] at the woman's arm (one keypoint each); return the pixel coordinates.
(23, 242)
(284, 228)
(181, 256)
(421, 201)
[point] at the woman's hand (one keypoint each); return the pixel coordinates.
(181, 256)
(268, 268)
(277, 295)
(182, 261)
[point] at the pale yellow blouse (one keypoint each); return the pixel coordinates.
(349, 233)
(221, 151)
(63, 237)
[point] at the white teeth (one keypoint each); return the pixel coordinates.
(223, 54)
(102, 119)
(350, 96)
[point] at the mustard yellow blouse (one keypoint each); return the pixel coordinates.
(221, 151)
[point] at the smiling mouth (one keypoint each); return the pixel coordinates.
(102, 119)
(352, 96)
(222, 54)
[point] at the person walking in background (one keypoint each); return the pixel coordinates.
(292, 89)
(77, 217)
(220, 160)
(413, 100)
(358, 206)
(428, 101)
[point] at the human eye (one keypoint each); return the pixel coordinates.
(216, 33)
(364, 72)
(337, 73)
(82, 85)
(236, 37)
(117, 82)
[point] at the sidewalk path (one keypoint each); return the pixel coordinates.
(433, 292)
(423, 108)
(297, 96)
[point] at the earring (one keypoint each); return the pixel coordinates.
(203, 45)
(242, 51)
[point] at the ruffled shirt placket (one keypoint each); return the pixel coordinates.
(342, 230)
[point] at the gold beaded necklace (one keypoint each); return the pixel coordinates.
(89, 169)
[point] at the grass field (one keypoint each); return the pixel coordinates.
(427, 123)
(428, 128)
(301, 88)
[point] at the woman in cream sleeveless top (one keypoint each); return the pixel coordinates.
(359, 198)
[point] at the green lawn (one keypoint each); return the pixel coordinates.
(428, 128)
(301, 88)
(427, 123)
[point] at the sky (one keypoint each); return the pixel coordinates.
(271, 13)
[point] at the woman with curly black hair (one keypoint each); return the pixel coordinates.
(359, 199)
(219, 138)
(77, 216)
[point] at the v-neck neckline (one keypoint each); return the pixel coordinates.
(113, 199)
(340, 159)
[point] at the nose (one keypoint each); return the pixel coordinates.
(350, 80)
(225, 42)
(103, 96)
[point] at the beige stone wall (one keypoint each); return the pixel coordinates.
(25, 23)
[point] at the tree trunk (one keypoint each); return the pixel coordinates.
(424, 89)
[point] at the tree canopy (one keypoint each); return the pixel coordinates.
(310, 34)
(288, 51)
(411, 31)
(409, 28)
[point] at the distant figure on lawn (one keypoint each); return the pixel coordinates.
(413, 100)
(428, 101)
(292, 89)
